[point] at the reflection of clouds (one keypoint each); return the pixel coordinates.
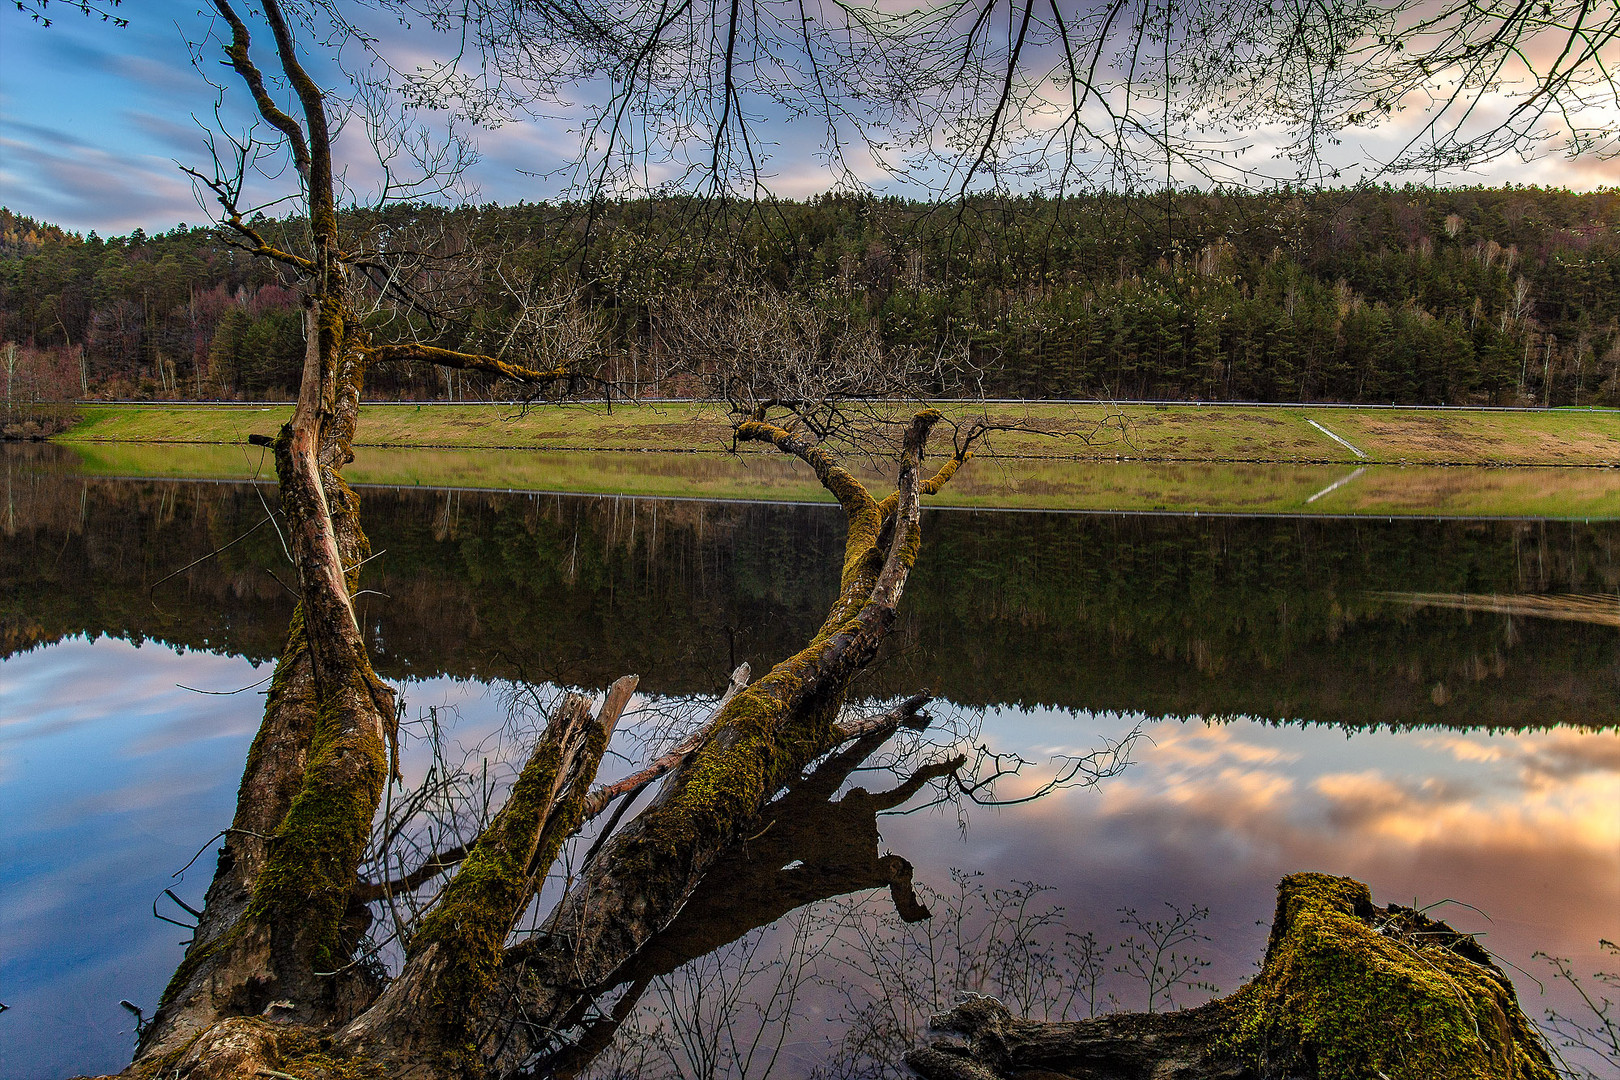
(1207, 744)
(1580, 813)
(1560, 755)
(79, 684)
(114, 778)
(1463, 747)
(1526, 827)
(1540, 756)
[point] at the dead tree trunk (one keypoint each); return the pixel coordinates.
(279, 912)
(286, 911)
(806, 846)
(1347, 990)
(287, 907)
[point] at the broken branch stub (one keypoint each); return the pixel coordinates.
(453, 958)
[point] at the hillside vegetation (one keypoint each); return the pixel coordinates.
(1415, 296)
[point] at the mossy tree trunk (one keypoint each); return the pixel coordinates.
(285, 910)
(278, 911)
(761, 741)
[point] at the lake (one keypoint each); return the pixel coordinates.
(1426, 704)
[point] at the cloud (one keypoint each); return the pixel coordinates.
(183, 138)
(61, 181)
(1542, 757)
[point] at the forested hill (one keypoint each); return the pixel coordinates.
(1489, 296)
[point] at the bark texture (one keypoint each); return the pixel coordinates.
(761, 742)
(1347, 991)
(278, 923)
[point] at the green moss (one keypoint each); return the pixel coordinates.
(309, 1057)
(163, 1065)
(1350, 991)
(471, 922)
(754, 752)
(309, 874)
(472, 919)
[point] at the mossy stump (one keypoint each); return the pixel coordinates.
(1348, 991)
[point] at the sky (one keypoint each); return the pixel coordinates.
(96, 121)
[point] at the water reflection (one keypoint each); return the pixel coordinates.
(113, 778)
(1285, 619)
(1021, 483)
(1055, 634)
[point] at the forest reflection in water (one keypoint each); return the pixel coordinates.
(1050, 635)
(1282, 618)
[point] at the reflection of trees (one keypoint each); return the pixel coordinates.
(809, 844)
(779, 922)
(1006, 942)
(862, 965)
(1589, 1030)
(1165, 610)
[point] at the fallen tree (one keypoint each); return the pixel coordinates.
(273, 970)
(1347, 990)
(277, 966)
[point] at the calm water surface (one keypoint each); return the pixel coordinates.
(1335, 695)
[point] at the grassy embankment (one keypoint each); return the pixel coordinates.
(1181, 458)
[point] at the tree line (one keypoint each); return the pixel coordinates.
(1505, 296)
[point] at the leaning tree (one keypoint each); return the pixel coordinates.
(968, 92)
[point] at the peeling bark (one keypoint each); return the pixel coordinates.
(278, 913)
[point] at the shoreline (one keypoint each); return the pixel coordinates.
(1029, 484)
(1200, 433)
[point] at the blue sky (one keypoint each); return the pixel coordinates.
(95, 122)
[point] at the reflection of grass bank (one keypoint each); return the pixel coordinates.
(1180, 432)
(1024, 484)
